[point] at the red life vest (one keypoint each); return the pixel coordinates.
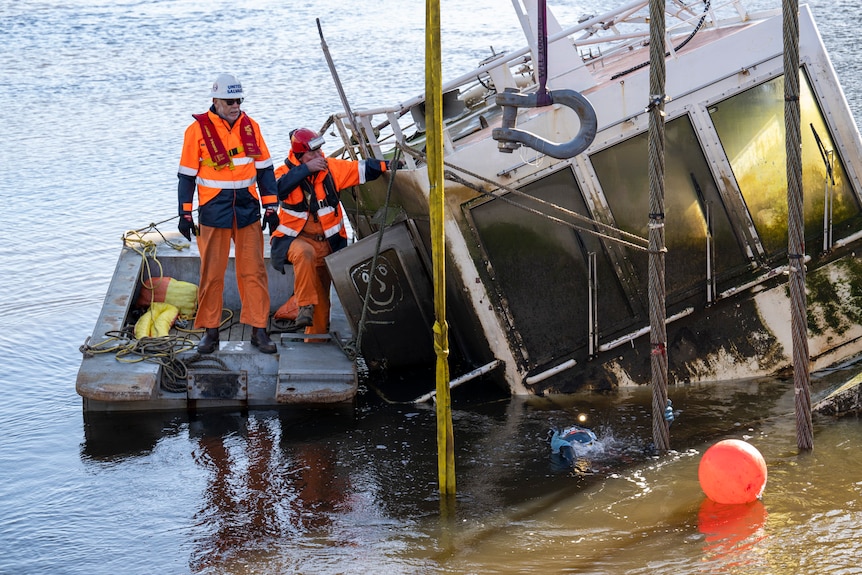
(221, 157)
(317, 196)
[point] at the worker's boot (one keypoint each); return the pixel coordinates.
(305, 316)
(260, 340)
(209, 342)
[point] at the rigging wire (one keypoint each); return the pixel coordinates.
(676, 49)
(567, 212)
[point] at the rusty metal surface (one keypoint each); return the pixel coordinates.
(218, 385)
(314, 373)
(117, 385)
(323, 389)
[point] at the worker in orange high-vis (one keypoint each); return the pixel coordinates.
(225, 156)
(311, 220)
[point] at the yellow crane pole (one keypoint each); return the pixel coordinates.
(434, 146)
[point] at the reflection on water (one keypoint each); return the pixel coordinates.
(354, 490)
(730, 530)
(259, 492)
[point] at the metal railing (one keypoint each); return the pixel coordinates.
(610, 34)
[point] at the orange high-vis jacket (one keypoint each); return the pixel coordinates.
(228, 193)
(317, 195)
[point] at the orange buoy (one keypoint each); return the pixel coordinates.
(732, 471)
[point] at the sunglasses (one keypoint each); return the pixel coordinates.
(232, 102)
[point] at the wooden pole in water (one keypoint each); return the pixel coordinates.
(796, 227)
(434, 146)
(657, 311)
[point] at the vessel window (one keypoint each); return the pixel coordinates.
(540, 267)
(752, 132)
(689, 191)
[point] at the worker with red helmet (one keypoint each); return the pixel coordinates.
(311, 220)
(225, 157)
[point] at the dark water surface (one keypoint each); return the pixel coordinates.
(97, 94)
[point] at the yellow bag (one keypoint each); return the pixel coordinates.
(183, 295)
(156, 321)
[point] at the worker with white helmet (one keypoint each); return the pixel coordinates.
(225, 157)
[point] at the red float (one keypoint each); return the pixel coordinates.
(732, 471)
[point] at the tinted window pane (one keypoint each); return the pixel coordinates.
(752, 132)
(689, 192)
(541, 268)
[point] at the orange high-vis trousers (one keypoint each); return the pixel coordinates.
(311, 281)
(251, 278)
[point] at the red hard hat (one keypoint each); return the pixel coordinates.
(305, 140)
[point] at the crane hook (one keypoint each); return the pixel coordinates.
(509, 139)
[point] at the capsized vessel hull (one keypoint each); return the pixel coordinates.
(546, 276)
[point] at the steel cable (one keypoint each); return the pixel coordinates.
(796, 227)
(656, 168)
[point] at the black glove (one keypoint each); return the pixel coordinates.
(270, 218)
(187, 226)
(398, 165)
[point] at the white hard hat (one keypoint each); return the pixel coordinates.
(226, 87)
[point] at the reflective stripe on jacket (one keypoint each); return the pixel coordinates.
(296, 186)
(317, 194)
(228, 193)
(296, 204)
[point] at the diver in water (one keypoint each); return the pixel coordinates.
(572, 442)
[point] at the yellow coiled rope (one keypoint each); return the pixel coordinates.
(162, 350)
